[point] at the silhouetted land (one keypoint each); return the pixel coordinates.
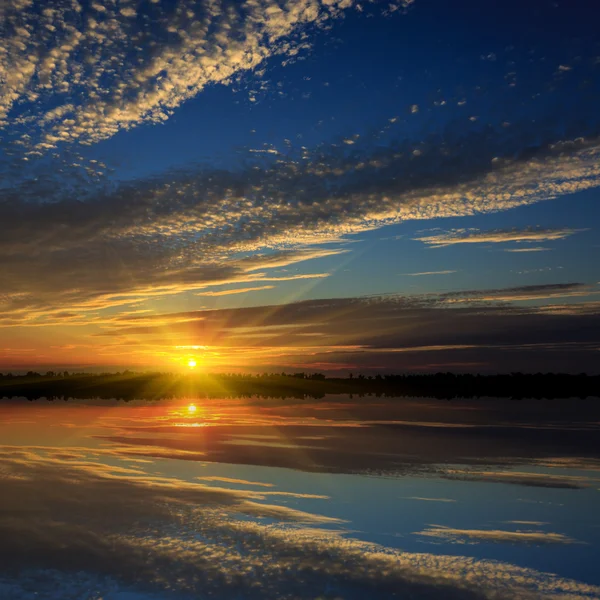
(157, 386)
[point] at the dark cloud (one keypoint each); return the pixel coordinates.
(389, 439)
(572, 482)
(494, 329)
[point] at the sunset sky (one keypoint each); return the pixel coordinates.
(334, 185)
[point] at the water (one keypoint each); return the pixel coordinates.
(337, 498)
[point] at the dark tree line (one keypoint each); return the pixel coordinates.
(156, 386)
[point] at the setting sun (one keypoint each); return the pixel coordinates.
(192, 408)
(192, 363)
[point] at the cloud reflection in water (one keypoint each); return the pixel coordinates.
(109, 518)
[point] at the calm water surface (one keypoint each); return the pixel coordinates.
(336, 498)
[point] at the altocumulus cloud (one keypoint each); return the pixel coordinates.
(183, 232)
(112, 517)
(86, 71)
(75, 74)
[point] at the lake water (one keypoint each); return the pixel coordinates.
(338, 498)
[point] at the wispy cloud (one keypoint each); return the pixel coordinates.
(531, 249)
(523, 293)
(429, 273)
(429, 499)
(583, 308)
(496, 536)
(236, 291)
(234, 481)
(533, 523)
(522, 478)
(496, 236)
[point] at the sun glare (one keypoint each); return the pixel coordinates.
(192, 408)
(192, 363)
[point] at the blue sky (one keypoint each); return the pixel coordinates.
(164, 157)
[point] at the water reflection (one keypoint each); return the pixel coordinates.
(333, 499)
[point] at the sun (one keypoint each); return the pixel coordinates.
(192, 409)
(192, 363)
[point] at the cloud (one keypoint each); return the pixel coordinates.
(156, 451)
(234, 481)
(573, 482)
(359, 438)
(533, 523)
(531, 249)
(488, 329)
(497, 236)
(324, 315)
(27, 465)
(522, 293)
(74, 74)
(107, 529)
(83, 74)
(284, 258)
(576, 463)
(429, 273)
(584, 308)
(190, 229)
(236, 291)
(429, 499)
(495, 535)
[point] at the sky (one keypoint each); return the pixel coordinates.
(271, 185)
